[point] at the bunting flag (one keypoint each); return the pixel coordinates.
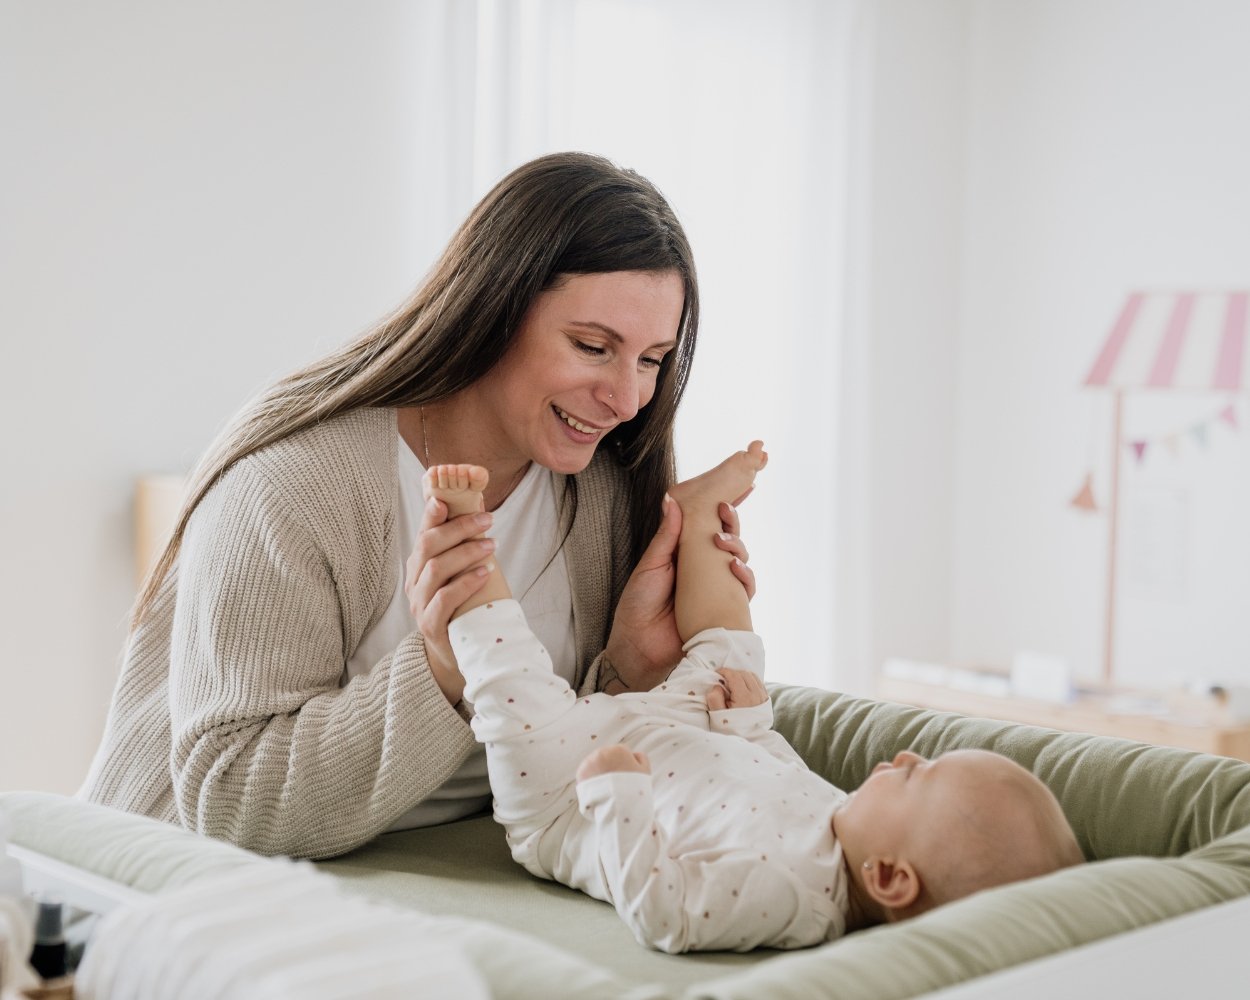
(1084, 499)
(1199, 434)
(1171, 441)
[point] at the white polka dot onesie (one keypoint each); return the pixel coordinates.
(726, 845)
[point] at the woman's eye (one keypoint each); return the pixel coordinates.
(650, 362)
(593, 350)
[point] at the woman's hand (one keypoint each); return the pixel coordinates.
(644, 645)
(446, 568)
(730, 541)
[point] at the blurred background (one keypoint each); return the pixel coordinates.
(916, 224)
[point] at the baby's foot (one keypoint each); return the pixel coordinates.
(458, 486)
(730, 481)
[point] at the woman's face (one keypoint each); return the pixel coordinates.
(585, 358)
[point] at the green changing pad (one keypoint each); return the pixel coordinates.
(1167, 831)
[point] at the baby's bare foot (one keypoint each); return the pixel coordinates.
(458, 486)
(730, 481)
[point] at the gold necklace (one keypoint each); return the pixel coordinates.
(425, 447)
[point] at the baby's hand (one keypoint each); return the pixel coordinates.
(617, 757)
(737, 689)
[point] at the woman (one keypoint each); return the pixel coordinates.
(287, 683)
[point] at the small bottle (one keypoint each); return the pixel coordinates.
(48, 956)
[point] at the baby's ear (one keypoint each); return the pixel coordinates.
(893, 884)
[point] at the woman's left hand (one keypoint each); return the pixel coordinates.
(644, 645)
(730, 541)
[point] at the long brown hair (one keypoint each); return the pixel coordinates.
(562, 214)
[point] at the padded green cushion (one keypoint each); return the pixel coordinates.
(1122, 798)
(152, 857)
(1169, 829)
(465, 869)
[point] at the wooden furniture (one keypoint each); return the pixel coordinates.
(1187, 721)
(158, 499)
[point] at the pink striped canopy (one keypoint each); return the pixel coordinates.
(1177, 340)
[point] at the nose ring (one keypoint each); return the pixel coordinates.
(609, 395)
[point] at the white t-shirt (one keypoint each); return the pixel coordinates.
(526, 531)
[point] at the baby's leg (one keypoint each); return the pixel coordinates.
(460, 488)
(708, 595)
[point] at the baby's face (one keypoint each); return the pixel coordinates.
(908, 795)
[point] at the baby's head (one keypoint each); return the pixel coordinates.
(919, 833)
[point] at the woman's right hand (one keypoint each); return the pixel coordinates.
(447, 567)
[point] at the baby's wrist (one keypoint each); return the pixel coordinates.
(450, 682)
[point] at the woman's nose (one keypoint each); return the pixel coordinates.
(905, 757)
(620, 392)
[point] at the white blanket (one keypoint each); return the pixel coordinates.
(16, 937)
(272, 931)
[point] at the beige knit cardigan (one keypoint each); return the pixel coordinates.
(230, 715)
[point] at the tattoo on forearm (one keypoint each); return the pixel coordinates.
(610, 681)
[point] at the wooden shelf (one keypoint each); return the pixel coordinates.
(157, 501)
(1193, 724)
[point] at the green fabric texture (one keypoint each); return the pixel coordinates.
(1122, 798)
(1167, 832)
(151, 856)
(465, 869)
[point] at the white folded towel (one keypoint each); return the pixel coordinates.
(274, 930)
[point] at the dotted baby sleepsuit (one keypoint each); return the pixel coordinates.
(727, 844)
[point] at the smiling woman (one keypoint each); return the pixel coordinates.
(585, 359)
(288, 683)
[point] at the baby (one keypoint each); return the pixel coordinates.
(688, 813)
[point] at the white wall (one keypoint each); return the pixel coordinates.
(1107, 150)
(197, 198)
(911, 346)
(1032, 162)
(738, 112)
(747, 139)
(214, 194)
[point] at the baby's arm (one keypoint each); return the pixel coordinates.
(740, 707)
(734, 901)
